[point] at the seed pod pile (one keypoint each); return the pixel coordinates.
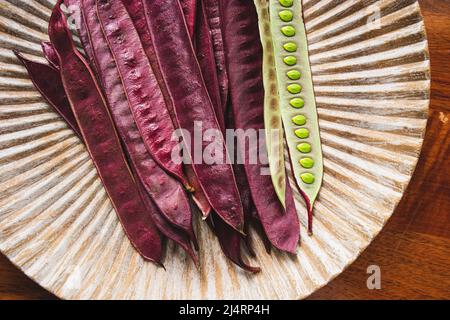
(153, 74)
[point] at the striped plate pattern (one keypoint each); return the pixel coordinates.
(372, 79)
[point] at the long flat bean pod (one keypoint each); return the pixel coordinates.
(212, 9)
(243, 187)
(298, 105)
(163, 225)
(102, 142)
(141, 87)
(166, 228)
(50, 54)
(272, 112)
(192, 105)
(230, 242)
(166, 192)
(244, 61)
(205, 56)
(48, 82)
(81, 29)
(135, 9)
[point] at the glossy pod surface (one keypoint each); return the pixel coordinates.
(298, 105)
(272, 112)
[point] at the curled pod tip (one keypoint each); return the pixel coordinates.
(273, 124)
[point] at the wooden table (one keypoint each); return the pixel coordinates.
(413, 250)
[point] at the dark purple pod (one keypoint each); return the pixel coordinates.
(212, 9)
(50, 54)
(48, 82)
(230, 242)
(135, 9)
(102, 142)
(82, 31)
(190, 15)
(165, 191)
(205, 56)
(144, 95)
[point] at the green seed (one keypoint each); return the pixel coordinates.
(299, 120)
(297, 103)
(302, 133)
(290, 60)
(288, 31)
(307, 163)
(308, 178)
(294, 88)
(286, 15)
(290, 47)
(294, 74)
(304, 147)
(286, 3)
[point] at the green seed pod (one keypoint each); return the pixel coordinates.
(294, 88)
(272, 112)
(290, 47)
(286, 15)
(290, 60)
(307, 163)
(297, 103)
(307, 171)
(294, 74)
(299, 120)
(304, 147)
(288, 31)
(308, 178)
(286, 3)
(302, 133)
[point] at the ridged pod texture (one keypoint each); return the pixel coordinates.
(307, 167)
(244, 60)
(102, 142)
(193, 106)
(141, 86)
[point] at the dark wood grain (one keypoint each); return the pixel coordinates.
(413, 250)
